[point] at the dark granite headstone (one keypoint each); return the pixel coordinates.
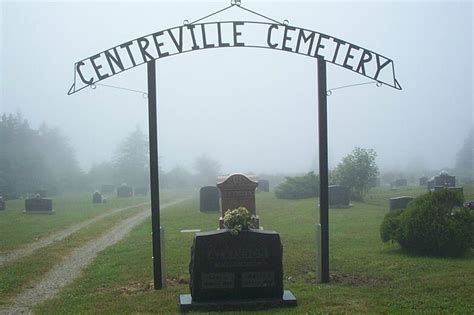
(263, 185)
(237, 191)
(209, 199)
(423, 181)
(141, 191)
(124, 191)
(339, 196)
(445, 180)
(107, 189)
(400, 202)
(225, 266)
(38, 205)
(97, 197)
(2, 203)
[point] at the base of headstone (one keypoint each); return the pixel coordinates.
(38, 212)
(221, 223)
(186, 303)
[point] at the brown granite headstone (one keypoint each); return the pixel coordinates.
(237, 190)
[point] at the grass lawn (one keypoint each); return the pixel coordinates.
(368, 276)
(17, 228)
(16, 276)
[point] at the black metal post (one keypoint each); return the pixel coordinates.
(323, 170)
(154, 176)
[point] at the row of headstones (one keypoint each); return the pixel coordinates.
(209, 195)
(339, 196)
(37, 204)
(442, 180)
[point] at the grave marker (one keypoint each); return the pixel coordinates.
(231, 270)
(400, 202)
(39, 205)
(237, 190)
(339, 196)
(2, 203)
(209, 199)
(97, 197)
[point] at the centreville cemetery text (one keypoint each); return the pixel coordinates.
(235, 34)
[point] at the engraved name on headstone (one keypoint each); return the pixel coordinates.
(225, 266)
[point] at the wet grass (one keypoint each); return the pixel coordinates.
(17, 228)
(367, 276)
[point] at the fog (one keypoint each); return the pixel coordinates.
(250, 109)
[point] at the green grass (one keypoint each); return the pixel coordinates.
(368, 276)
(17, 228)
(18, 275)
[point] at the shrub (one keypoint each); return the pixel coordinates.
(390, 226)
(434, 224)
(299, 187)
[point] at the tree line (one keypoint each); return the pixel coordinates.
(42, 159)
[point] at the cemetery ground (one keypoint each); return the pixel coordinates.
(367, 276)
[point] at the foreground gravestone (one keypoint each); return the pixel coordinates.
(236, 272)
(2, 203)
(263, 185)
(107, 189)
(400, 202)
(39, 205)
(209, 199)
(141, 191)
(124, 191)
(97, 197)
(237, 190)
(339, 196)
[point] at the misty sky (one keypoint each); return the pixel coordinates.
(250, 109)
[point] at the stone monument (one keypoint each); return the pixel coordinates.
(2, 203)
(97, 197)
(442, 180)
(38, 205)
(209, 199)
(237, 190)
(339, 196)
(242, 271)
(400, 202)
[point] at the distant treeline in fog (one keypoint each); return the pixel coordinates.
(42, 159)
